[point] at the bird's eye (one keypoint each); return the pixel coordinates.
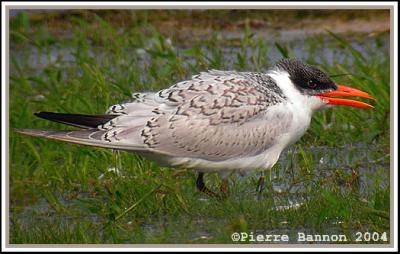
(311, 84)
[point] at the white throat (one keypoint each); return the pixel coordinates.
(308, 103)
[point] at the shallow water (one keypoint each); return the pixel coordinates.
(299, 45)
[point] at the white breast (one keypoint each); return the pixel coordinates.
(302, 107)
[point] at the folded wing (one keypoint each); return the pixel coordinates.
(214, 116)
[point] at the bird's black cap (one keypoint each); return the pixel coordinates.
(307, 78)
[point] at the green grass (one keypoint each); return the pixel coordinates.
(58, 196)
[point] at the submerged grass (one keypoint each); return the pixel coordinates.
(61, 193)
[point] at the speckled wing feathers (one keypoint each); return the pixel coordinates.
(216, 116)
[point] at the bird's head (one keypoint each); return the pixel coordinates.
(314, 83)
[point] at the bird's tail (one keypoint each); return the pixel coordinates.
(90, 135)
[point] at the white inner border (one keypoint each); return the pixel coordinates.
(161, 5)
(198, 3)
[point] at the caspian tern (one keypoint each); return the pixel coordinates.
(217, 121)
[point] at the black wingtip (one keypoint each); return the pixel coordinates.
(39, 114)
(46, 115)
(77, 120)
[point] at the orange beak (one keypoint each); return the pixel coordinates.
(346, 91)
